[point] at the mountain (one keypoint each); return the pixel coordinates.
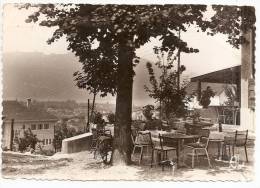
(49, 77)
(40, 76)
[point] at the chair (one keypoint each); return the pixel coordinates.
(142, 140)
(200, 147)
(166, 144)
(239, 139)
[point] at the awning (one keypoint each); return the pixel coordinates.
(230, 75)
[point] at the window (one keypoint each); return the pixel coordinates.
(39, 126)
(33, 127)
(23, 126)
(43, 141)
(49, 141)
(46, 126)
(46, 141)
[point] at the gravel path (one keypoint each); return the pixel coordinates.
(82, 166)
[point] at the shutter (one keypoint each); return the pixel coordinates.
(251, 94)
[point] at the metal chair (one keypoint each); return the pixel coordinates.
(239, 139)
(166, 144)
(200, 148)
(142, 140)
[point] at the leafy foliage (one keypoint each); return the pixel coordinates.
(153, 124)
(147, 111)
(165, 90)
(97, 119)
(111, 25)
(28, 140)
(205, 97)
(232, 21)
(96, 33)
(111, 118)
(62, 131)
(231, 93)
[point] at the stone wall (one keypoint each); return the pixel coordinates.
(77, 143)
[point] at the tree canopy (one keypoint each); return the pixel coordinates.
(133, 25)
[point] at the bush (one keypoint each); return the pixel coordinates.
(138, 124)
(153, 124)
(97, 118)
(147, 112)
(111, 118)
(205, 97)
(29, 140)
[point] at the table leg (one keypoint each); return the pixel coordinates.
(180, 162)
(218, 150)
(221, 151)
(178, 153)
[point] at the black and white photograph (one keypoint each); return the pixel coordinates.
(147, 92)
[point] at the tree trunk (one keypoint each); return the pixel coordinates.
(93, 106)
(122, 141)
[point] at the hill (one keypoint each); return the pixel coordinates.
(49, 77)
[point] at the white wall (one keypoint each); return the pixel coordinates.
(18, 131)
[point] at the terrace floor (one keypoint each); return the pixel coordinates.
(82, 166)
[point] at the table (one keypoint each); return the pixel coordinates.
(179, 138)
(218, 137)
(176, 137)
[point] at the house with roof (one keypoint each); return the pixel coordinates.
(18, 117)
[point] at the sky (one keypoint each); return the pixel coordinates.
(215, 53)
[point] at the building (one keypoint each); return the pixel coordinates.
(18, 117)
(243, 77)
(219, 89)
(138, 115)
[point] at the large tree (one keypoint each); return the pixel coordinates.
(119, 30)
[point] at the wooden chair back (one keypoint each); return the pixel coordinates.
(166, 141)
(143, 138)
(241, 138)
(204, 136)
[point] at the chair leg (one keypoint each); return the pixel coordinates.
(163, 158)
(192, 159)
(141, 155)
(229, 153)
(133, 152)
(208, 158)
(197, 157)
(152, 158)
(246, 153)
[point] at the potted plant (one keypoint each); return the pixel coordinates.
(205, 97)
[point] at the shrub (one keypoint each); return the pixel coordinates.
(138, 124)
(205, 97)
(147, 112)
(111, 118)
(153, 124)
(29, 140)
(97, 118)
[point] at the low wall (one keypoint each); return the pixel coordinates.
(77, 143)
